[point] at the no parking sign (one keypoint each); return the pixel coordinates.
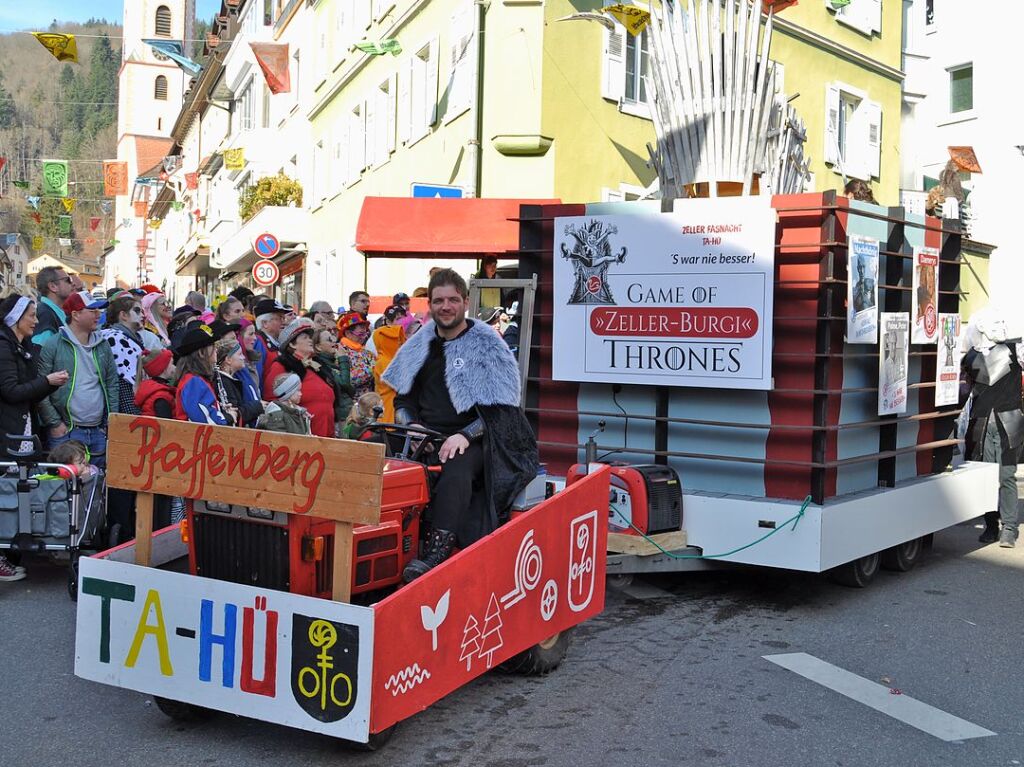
(265, 273)
(267, 245)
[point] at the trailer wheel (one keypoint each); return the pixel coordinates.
(180, 711)
(542, 658)
(858, 573)
(902, 558)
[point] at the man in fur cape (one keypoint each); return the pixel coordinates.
(458, 377)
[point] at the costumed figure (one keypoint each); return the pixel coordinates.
(995, 427)
(458, 377)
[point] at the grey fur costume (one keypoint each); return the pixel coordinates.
(481, 375)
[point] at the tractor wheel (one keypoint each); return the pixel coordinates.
(858, 573)
(902, 558)
(542, 658)
(180, 711)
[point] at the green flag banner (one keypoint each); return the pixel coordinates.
(20, 184)
(64, 224)
(390, 45)
(55, 178)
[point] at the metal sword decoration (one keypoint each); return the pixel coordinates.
(716, 112)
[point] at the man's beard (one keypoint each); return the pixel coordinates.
(447, 324)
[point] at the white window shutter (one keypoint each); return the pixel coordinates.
(613, 66)
(356, 144)
(873, 151)
(392, 100)
(460, 60)
(433, 64)
(404, 112)
(370, 110)
(832, 106)
(873, 15)
(855, 159)
(364, 17)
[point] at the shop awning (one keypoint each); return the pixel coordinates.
(411, 227)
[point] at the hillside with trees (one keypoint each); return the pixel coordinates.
(59, 110)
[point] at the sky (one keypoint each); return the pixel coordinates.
(37, 14)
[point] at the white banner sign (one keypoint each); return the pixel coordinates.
(926, 296)
(260, 653)
(862, 291)
(947, 369)
(677, 299)
(893, 361)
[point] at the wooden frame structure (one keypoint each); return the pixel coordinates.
(340, 480)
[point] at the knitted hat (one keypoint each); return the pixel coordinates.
(293, 328)
(285, 385)
(349, 320)
(156, 361)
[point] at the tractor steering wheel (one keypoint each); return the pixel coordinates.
(427, 437)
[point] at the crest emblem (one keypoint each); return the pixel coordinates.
(325, 661)
(582, 558)
(591, 256)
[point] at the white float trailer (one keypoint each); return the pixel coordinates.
(808, 470)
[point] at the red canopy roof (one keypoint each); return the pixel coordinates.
(411, 226)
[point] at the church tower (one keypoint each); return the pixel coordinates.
(150, 96)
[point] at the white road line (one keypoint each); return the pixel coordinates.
(902, 707)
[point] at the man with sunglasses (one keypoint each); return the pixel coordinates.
(54, 287)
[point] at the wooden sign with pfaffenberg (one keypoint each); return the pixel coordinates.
(327, 478)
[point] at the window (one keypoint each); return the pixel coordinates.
(246, 120)
(853, 132)
(863, 15)
(461, 60)
(339, 158)
(636, 67)
(356, 142)
(961, 89)
(929, 13)
(423, 81)
(162, 26)
(296, 74)
(319, 176)
(265, 107)
(383, 128)
(160, 88)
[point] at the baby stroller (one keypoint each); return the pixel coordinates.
(48, 507)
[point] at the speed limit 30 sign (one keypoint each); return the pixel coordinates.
(265, 273)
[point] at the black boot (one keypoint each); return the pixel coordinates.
(439, 547)
(991, 534)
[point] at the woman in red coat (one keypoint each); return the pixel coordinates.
(296, 356)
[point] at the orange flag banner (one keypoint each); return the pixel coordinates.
(140, 208)
(273, 60)
(115, 178)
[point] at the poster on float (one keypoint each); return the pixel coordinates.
(674, 299)
(925, 296)
(893, 362)
(862, 291)
(947, 368)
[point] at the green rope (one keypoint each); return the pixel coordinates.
(795, 519)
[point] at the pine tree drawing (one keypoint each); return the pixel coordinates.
(491, 639)
(470, 641)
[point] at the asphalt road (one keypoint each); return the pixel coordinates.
(672, 673)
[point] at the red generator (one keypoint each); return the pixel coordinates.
(644, 498)
(290, 552)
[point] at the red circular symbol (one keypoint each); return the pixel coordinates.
(930, 320)
(593, 284)
(265, 273)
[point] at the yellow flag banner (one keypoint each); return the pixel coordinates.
(632, 18)
(69, 203)
(63, 47)
(154, 223)
(37, 243)
(234, 159)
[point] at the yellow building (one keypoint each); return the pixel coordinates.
(546, 108)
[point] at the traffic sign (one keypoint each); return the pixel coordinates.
(267, 245)
(265, 273)
(436, 190)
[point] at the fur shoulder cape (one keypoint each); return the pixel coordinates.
(479, 367)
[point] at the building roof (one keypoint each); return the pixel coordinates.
(150, 150)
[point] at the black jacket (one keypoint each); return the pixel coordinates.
(248, 410)
(21, 385)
